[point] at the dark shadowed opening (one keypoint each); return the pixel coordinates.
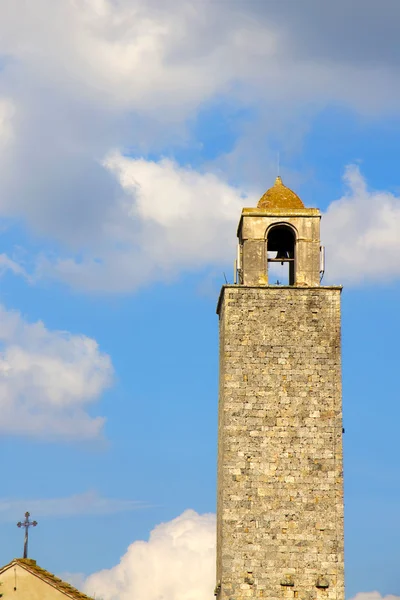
(281, 243)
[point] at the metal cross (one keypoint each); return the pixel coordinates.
(26, 524)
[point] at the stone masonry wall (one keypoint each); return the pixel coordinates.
(280, 480)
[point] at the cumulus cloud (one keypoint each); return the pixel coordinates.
(173, 55)
(168, 219)
(117, 74)
(177, 563)
(361, 231)
(172, 219)
(48, 379)
(374, 596)
(87, 503)
(136, 54)
(129, 75)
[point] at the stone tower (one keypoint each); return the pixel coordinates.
(280, 479)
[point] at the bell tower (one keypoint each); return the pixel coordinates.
(280, 478)
(280, 230)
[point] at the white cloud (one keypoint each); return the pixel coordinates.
(47, 380)
(173, 219)
(87, 503)
(374, 596)
(168, 57)
(361, 231)
(89, 75)
(8, 264)
(82, 77)
(169, 219)
(177, 563)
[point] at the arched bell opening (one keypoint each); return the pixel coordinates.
(281, 250)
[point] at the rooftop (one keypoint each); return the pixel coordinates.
(30, 565)
(279, 197)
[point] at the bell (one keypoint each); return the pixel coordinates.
(282, 254)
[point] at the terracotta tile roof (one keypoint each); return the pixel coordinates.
(30, 565)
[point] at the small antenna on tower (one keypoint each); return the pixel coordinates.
(278, 163)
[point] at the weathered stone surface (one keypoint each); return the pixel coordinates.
(280, 481)
(253, 231)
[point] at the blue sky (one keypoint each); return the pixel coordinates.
(131, 135)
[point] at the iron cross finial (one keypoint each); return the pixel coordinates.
(26, 524)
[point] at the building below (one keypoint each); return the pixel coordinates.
(23, 579)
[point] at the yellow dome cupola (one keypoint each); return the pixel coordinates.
(279, 197)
